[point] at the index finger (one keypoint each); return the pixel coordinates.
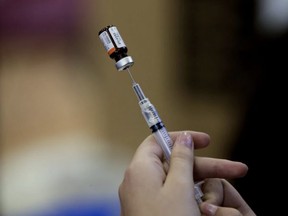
(205, 167)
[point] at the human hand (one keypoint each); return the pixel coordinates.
(222, 199)
(148, 189)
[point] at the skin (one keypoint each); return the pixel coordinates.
(221, 198)
(149, 188)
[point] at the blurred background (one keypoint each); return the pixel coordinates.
(70, 122)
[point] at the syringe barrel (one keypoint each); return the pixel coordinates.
(163, 139)
(159, 131)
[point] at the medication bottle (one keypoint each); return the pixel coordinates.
(115, 47)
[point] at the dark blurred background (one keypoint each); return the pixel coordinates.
(70, 123)
(240, 49)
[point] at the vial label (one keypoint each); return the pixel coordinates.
(108, 44)
(116, 37)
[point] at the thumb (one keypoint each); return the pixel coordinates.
(180, 172)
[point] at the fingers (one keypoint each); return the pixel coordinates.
(220, 192)
(218, 168)
(149, 145)
(148, 158)
(213, 191)
(181, 165)
(203, 167)
(212, 210)
(146, 166)
(201, 140)
(214, 197)
(234, 199)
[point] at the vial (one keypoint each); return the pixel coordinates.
(115, 47)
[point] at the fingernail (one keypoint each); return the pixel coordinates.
(211, 208)
(185, 138)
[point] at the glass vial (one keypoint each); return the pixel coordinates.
(115, 47)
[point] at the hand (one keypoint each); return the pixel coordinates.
(221, 198)
(148, 189)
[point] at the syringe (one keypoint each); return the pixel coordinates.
(117, 50)
(159, 130)
(153, 120)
